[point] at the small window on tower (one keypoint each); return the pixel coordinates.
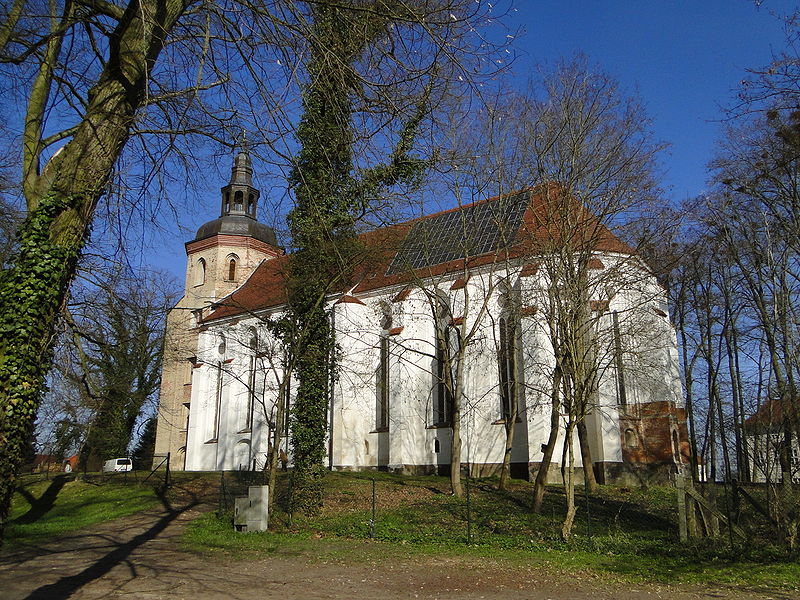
(200, 272)
(238, 201)
(232, 269)
(251, 205)
(631, 439)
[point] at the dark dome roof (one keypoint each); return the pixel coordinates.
(238, 225)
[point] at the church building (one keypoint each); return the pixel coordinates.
(462, 295)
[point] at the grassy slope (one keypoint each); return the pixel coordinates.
(631, 534)
(48, 508)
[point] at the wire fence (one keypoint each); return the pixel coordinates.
(235, 483)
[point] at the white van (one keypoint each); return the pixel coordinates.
(117, 464)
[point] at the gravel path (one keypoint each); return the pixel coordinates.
(140, 557)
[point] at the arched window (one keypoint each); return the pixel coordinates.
(631, 439)
(238, 201)
(252, 344)
(382, 372)
(221, 349)
(622, 395)
(251, 205)
(227, 202)
(200, 272)
(241, 454)
(386, 316)
(445, 355)
(507, 360)
(230, 266)
(676, 446)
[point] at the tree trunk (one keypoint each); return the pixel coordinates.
(275, 448)
(455, 423)
(586, 457)
(540, 484)
(510, 424)
(310, 409)
(569, 485)
(61, 203)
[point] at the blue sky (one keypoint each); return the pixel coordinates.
(684, 59)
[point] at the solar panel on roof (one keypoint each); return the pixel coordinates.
(464, 233)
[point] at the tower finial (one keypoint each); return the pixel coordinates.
(242, 171)
(239, 197)
(243, 143)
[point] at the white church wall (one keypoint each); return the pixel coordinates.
(354, 396)
(411, 440)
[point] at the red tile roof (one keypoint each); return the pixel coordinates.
(769, 416)
(542, 227)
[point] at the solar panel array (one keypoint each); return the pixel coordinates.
(463, 233)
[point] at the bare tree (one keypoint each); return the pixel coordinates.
(589, 146)
(115, 329)
(98, 73)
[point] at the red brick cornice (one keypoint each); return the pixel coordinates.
(237, 241)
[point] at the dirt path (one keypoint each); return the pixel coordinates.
(139, 557)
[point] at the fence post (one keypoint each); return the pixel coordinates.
(469, 515)
(588, 514)
(372, 521)
(166, 476)
(222, 499)
(683, 526)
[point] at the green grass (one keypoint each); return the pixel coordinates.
(44, 509)
(631, 534)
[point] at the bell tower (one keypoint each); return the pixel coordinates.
(239, 197)
(225, 251)
(222, 255)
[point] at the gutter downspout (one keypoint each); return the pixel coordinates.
(331, 387)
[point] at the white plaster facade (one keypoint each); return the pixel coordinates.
(222, 379)
(223, 389)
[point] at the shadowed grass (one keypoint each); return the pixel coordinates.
(627, 534)
(77, 504)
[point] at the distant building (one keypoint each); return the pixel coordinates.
(766, 440)
(478, 267)
(70, 465)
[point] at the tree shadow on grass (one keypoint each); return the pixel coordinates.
(66, 586)
(43, 504)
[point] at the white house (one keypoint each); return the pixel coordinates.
(479, 275)
(766, 434)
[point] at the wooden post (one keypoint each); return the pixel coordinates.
(166, 476)
(691, 510)
(683, 517)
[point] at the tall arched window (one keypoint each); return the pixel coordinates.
(508, 351)
(200, 272)
(619, 364)
(232, 269)
(251, 205)
(238, 201)
(252, 344)
(507, 359)
(445, 333)
(221, 349)
(382, 374)
(227, 202)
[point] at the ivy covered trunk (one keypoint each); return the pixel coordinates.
(328, 196)
(61, 199)
(31, 294)
(321, 226)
